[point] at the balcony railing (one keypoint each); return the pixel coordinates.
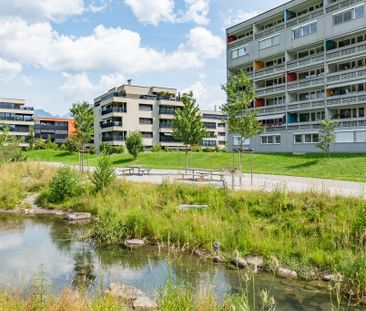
(242, 40)
(307, 104)
(340, 5)
(115, 109)
(269, 31)
(356, 123)
(305, 83)
(39, 127)
(270, 71)
(274, 129)
(167, 111)
(304, 18)
(303, 126)
(165, 126)
(347, 99)
(113, 138)
(269, 109)
(110, 124)
(305, 61)
(270, 89)
(346, 51)
(18, 119)
(347, 75)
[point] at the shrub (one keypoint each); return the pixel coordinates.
(91, 150)
(64, 184)
(70, 145)
(156, 148)
(134, 144)
(40, 144)
(104, 174)
(108, 149)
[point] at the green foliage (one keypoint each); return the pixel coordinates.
(40, 144)
(327, 135)
(9, 147)
(156, 148)
(50, 145)
(104, 174)
(40, 290)
(84, 123)
(64, 185)
(134, 143)
(31, 137)
(108, 149)
(70, 145)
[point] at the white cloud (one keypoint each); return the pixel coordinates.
(105, 50)
(27, 80)
(152, 11)
(96, 7)
(9, 70)
(40, 10)
(197, 11)
(233, 18)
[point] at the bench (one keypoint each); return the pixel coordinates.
(125, 171)
(145, 171)
(203, 175)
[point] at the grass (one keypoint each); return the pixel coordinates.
(351, 167)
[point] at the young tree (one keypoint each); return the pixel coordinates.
(327, 135)
(104, 173)
(70, 145)
(31, 137)
(187, 124)
(134, 144)
(84, 126)
(241, 118)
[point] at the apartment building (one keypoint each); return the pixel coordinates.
(19, 118)
(214, 122)
(307, 61)
(149, 110)
(56, 129)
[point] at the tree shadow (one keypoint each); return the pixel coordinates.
(303, 165)
(62, 154)
(122, 161)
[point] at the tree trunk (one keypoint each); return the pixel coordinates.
(186, 158)
(241, 162)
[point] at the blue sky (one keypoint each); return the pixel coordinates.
(54, 53)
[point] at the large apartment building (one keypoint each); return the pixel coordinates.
(149, 110)
(56, 129)
(307, 60)
(19, 118)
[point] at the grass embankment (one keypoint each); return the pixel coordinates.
(340, 166)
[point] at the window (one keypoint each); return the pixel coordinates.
(308, 138)
(269, 42)
(344, 137)
(348, 15)
(298, 139)
(147, 134)
(146, 121)
(236, 141)
(304, 30)
(271, 139)
(361, 137)
(145, 107)
(239, 52)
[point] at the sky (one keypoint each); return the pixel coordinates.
(54, 53)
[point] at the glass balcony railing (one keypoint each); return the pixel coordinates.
(115, 109)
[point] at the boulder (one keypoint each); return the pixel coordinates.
(287, 273)
(218, 259)
(255, 261)
(239, 262)
(144, 303)
(78, 216)
(332, 277)
(134, 243)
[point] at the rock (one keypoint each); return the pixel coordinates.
(200, 253)
(332, 277)
(186, 207)
(144, 303)
(216, 245)
(134, 243)
(255, 261)
(78, 216)
(239, 262)
(287, 273)
(218, 259)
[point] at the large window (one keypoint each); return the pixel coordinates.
(345, 137)
(307, 138)
(239, 52)
(145, 107)
(269, 42)
(271, 139)
(304, 30)
(348, 15)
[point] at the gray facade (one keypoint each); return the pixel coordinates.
(307, 60)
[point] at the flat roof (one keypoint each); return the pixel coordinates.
(12, 100)
(53, 119)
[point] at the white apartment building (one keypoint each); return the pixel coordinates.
(19, 118)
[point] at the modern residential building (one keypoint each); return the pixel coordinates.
(149, 110)
(57, 129)
(19, 118)
(214, 122)
(307, 60)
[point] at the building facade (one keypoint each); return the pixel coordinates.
(56, 129)
(19, 118)
(149, 110)
(214, 122)
(307, 61)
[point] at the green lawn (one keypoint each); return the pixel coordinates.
(339, 166)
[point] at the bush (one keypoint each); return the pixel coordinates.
(108, 149)
(91, 150)
(134, 144)
(11, 152)
(50, 145)
(156, 148)
(104, 174)
(40, 144)
(70, 145)
(64, 184)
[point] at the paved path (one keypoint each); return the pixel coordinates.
(264, 182)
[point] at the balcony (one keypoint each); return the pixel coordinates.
(275, 129)
(304, 62)
(304, 126)
(270, 90)
(351, 74)
(270, 31)
(306, 104)
(167, 111)
(242, 40)
(304, 18)
(113, 138)
(347, 124)
(270, 71)
(340, 5)
(347, 51)
(270, 109)
(115, 109)
(111, 124)
(305, 83)
(165, 126)
(345, 100)
(40, 127)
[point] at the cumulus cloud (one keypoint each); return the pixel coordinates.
(197, 12)
(233, 18)
(105, 50)
(54, 10)
(9, 70)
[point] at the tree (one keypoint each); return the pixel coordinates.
(70, 145)
(31, 137)
(187, 124)
(84, 126)
(104, 173)
(327, 135)
(241, 118)
(134, 144)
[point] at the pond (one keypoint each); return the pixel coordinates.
(27, 243)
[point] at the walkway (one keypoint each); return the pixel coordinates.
(264, 182)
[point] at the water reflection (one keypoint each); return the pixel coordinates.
(26, 243)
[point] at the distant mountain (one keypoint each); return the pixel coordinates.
(40, 113)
